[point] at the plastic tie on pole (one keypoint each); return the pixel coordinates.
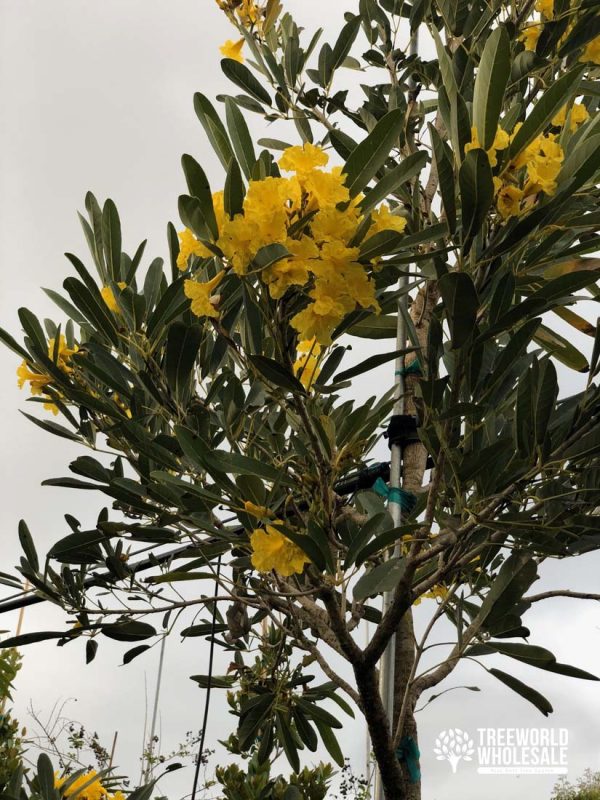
(406, 500)
(408, 753)
(414, 368)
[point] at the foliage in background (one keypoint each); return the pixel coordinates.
(216, 397)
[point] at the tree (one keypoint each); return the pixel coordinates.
(463, 212)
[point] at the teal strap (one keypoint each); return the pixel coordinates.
(408, 753)
(414, 368)
(406, 500)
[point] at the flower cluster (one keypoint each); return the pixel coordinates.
(271, 550)
(86, 787)
(60, 354)
(535, 169)
(530, 34)
(313, 216)
(247, 13)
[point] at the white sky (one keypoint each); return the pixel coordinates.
(98, 95)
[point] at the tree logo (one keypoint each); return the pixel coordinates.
(452, 746)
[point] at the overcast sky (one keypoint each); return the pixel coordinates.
(98, 95)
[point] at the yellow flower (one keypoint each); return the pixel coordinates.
(591, 52)
(190, 246)
(233, 50)
(331, 223)
(544, 162)
(579, 114)
(256, 511)
(509, 201)
(36, 380)
(545, 7)
(200, 295)
(306, 365)
(109, 297)
(501, 141)
(248, 12)
(438, 592)
(95, 790)
(271, 550)
(530, 35)
(319, 318)
(325, 188)
(384, 220)
(303, 158)
(291, 271)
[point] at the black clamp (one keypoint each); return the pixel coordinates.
(402, 430)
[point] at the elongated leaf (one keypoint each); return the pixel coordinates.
(242, 77)
(367, 158)
(343, 44)
(199, 187)
(492, 77)
(538, 700)
(476, 193)
(382, 578)
(183, 344)
(461, 302)
(371, 363)
(111, 238)
(393, 179)
(240, 137)
(214, 128)
(561, 349)
(445, 170)
(555, 97)
(129, 631)
(277, 374)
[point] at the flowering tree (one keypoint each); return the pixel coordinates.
(455, 202)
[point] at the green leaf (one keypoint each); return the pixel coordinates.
(183, 344)
(382, 578)
(270, 254)
(476, 193)
(370, 155)
(538, 700)
(214, 128)
(371, 363)
(331, 743)
(32, 638)
(393, 179)
(45, 776)
(234, 192)
(13, 345)
(240, 137)
(546, 107)
(344, 43)
(375, 327)
(214, 681)
(561, 349)
(50, 426)
(93, 309)
(287, 740)
(135, 652)
(27, 543)
(445, 170)
(198, 186)
(129, 631)
(276, 374)
(492, 77)
(111, 239)
(461, 304)
(242, 77)
(34, 330)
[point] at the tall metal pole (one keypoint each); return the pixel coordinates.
(386, 669)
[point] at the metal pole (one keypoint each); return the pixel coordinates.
(386, 669)
(150, 750)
